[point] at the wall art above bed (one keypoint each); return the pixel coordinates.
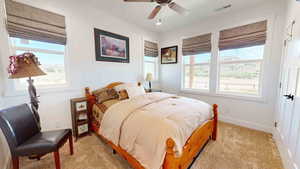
(111, 47)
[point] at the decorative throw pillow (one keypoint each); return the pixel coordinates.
(105, 94)
(96, 92)
(135, 91)
(123, 95)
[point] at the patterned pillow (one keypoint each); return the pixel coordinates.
(105, 94)
(123, 95)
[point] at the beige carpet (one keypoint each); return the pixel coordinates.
(236, 148)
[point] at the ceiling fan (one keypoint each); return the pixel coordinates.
(172, 5)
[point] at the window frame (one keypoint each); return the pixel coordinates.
(215, 69)
(42, 88)
(183, 88)
(157, 64)
(260, 81)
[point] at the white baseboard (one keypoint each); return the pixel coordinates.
(246, 124)
(285, 157)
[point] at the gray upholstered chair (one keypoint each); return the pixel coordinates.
(24, 137)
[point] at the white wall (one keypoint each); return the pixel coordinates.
(252, 114)
(82, 68)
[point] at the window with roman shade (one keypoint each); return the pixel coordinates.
(196, 45)
(243, 36)
(150, 49)
(196, 60)
(241, 59)
(27, 22)
(151, 59)
(40, 32)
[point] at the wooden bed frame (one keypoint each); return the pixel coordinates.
(192, 147)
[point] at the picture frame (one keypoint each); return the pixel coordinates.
(169, 55)
(111, 47)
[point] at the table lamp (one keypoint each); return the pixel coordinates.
(149, 78)
(27, 65)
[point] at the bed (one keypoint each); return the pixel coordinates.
(182, 139)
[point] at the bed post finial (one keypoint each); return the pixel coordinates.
(170, 162)
(87, 91)
(215, 129)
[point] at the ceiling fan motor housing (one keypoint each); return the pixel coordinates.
(163, 1)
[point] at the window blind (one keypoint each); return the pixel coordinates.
(243, 36)
(24, 21)
(150, 49)
(197, 45)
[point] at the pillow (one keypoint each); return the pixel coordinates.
(96, 92)
(135, 91)
(123, 95)
(124, 86)
(105, 94)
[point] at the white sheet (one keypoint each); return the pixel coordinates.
(142, 125)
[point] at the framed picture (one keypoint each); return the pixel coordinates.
(111, 47)
(169, 55)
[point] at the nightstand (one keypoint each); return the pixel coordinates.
(80, 117)
(153, 90)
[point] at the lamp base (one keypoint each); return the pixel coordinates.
(34, 100)
(150, 88)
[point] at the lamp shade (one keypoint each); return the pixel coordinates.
(149, 77)
(25, 65)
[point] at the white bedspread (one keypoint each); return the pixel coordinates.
(142, 125)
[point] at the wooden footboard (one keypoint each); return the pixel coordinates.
(192, 147)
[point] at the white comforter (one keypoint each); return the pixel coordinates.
(142, 125)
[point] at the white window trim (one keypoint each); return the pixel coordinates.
(261, 61)
(157, 70)
(214, 71)
(183, 77)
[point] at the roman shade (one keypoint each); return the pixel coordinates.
(196, 45)
(243, 36)
(150, 49)
(24, 21)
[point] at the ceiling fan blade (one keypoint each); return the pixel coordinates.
(154, 12)
(179, 9)
(139, 1)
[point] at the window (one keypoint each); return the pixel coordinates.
(232, 65)
(51, 57)
(151, 59)
(240, 70)
(196, 71)
(151, 66)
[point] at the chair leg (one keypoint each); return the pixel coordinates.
(71, 144)
(56, 159)
(15, 161)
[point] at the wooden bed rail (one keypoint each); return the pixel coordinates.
(216, 114)
(193, 145)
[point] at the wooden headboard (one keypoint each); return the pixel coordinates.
(112, 85)
(91, 100)
(88, 92)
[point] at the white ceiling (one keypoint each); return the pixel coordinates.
(137, 12)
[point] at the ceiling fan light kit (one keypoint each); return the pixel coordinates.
(159, 22)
